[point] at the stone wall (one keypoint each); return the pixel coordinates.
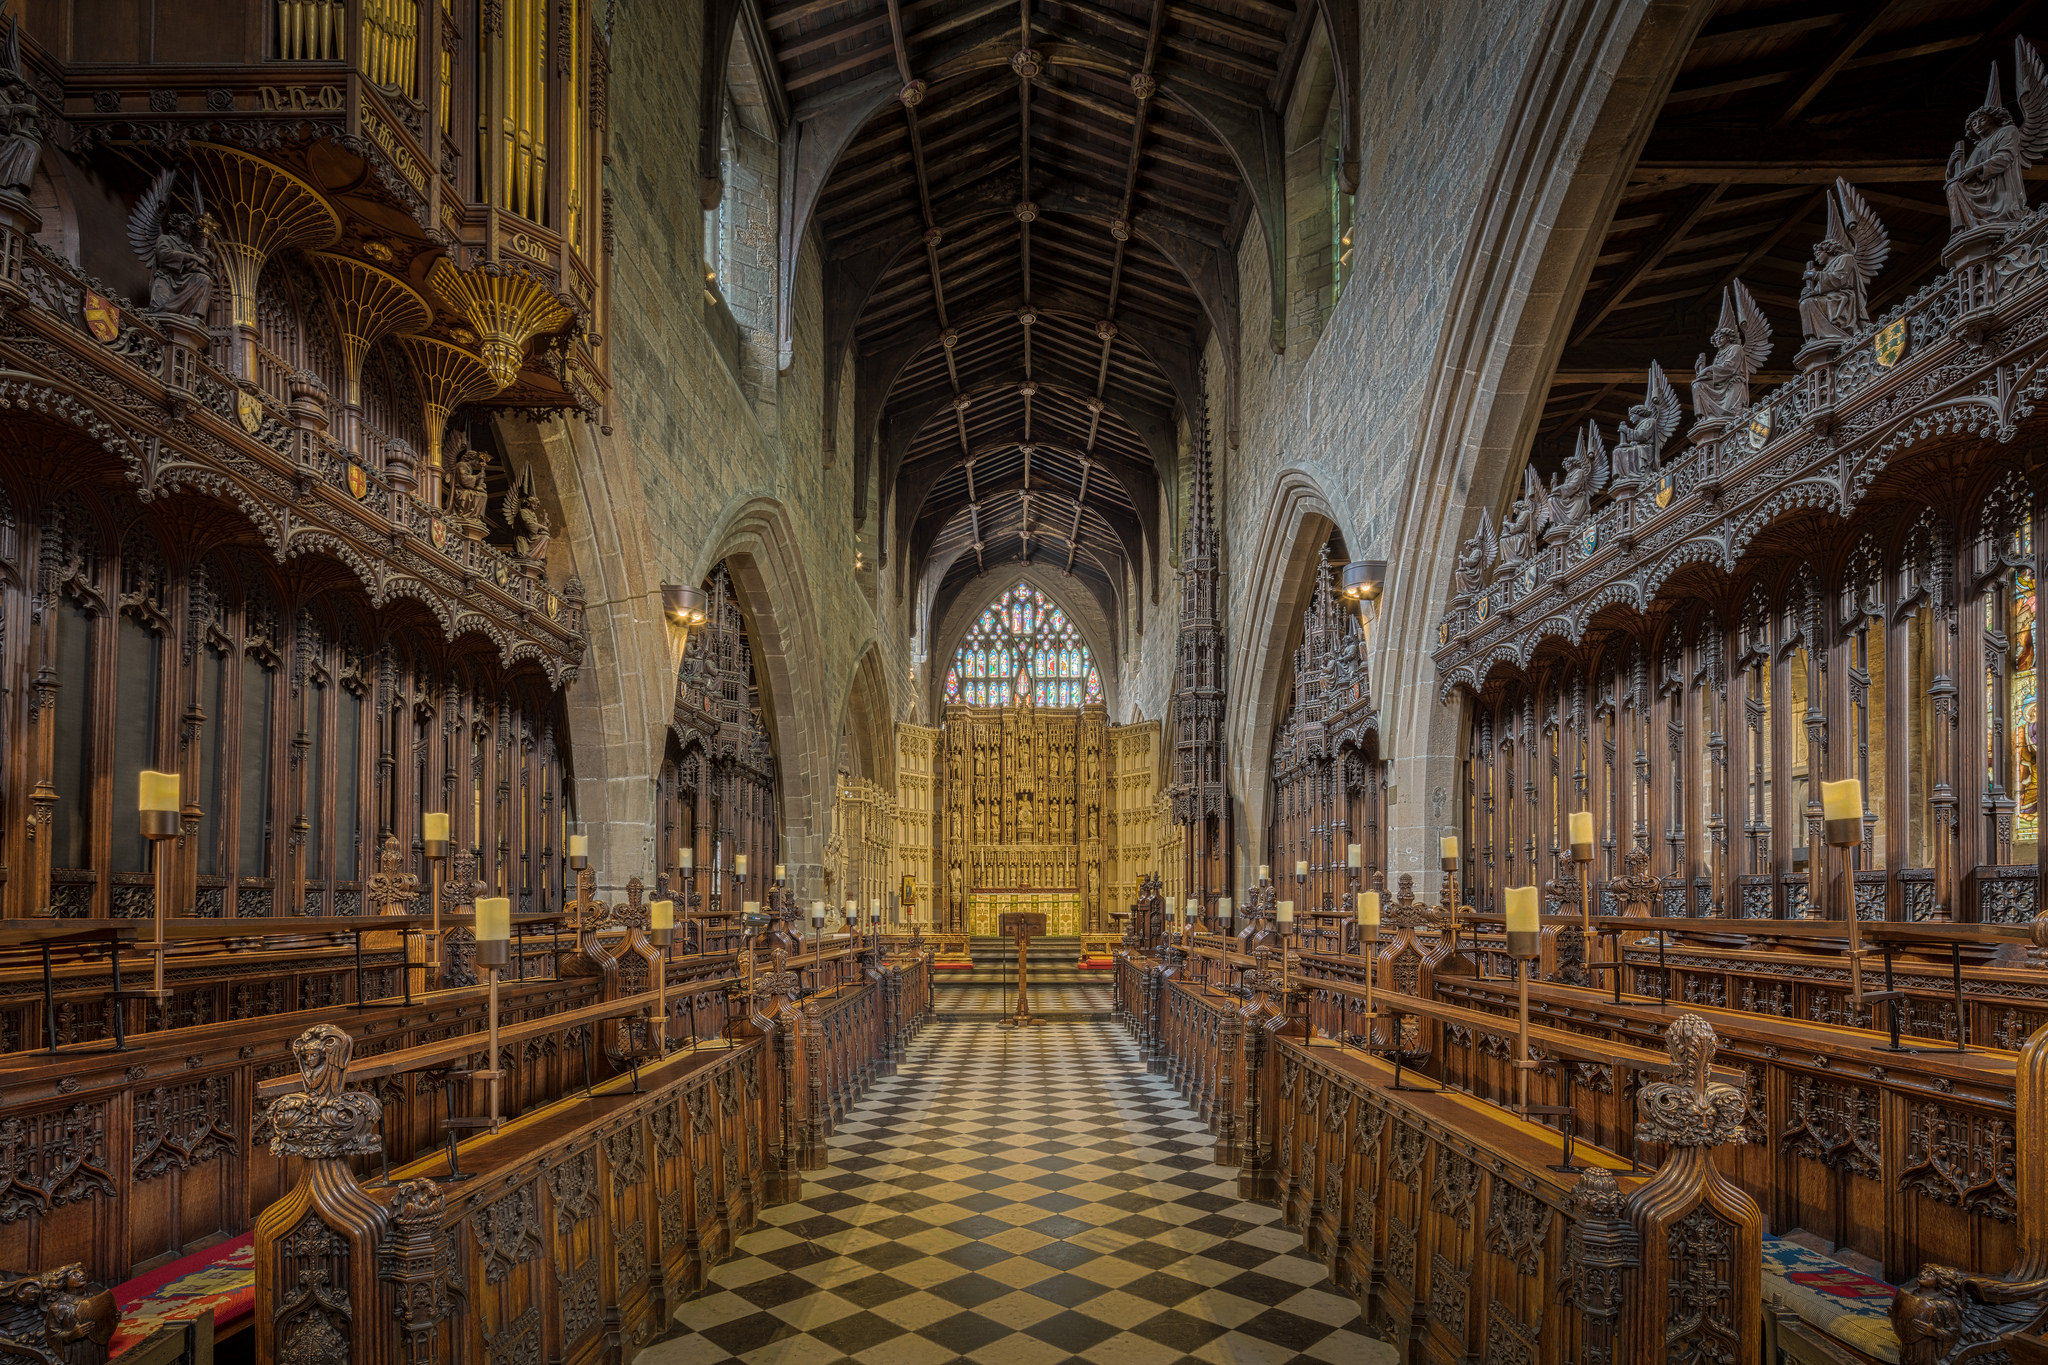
(1496, 138)
(702, 464)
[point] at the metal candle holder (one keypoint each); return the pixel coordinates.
(436, 851)
(492, 953)
(159, 827)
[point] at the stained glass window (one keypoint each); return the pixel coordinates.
(1023, 643)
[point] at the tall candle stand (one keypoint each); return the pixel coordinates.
(1448, 900)
(436, 853)
(161, 823)
(662, 931)
(492, 953)
(1352, 872)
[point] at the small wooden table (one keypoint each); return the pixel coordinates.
(1023, 926)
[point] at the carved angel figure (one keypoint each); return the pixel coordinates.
(1584, 474)
(1845, 260)
(467, 497)
(1517, 531)
(1742, 342)
(177, 247)
(1689, 1110)
(324, 1121)
(21, 136)
(1640, 437)
(528, 519)
(1984, 172)
(1474, 555)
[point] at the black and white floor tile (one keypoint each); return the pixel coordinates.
(1058, 1000)
(1020, 1198)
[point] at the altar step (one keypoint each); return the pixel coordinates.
(1052, 959)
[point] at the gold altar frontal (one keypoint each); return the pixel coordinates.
(1062, 909)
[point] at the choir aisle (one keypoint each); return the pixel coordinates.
(1020, 1199)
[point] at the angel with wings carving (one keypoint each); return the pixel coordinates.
(1474, 555)
(1639, 438)
(176, 246)
(1584, 474)
(1984, 183)
(1742, 341)
(1518, 527)
(1833, 296)
(523, 512)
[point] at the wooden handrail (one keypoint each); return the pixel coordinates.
(462, 1045)
(1554, 1040)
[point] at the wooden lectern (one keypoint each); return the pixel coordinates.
(1022, 926)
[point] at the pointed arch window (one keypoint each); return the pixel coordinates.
(1023, 640)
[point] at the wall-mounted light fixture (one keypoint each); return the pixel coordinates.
(1365, 579)
(684, 606)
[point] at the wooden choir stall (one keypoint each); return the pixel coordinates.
(1714, 1025)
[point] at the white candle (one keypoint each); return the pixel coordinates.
(493, 919)
(739, 865)
(1223, 910)
(1368, 909)
(434, 826)
(1842, 800)
(687, 860)
(1265, 872)
(579, 844)
(1521, 909)
(159, 791)
(661, 915)
(1300, 868)
(1286, 912)
(1354, 856)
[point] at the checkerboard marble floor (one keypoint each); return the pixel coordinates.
(1017, 1199)
(1056, 1000)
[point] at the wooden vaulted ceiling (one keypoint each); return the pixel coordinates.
(1774, 101)
(1014, 254)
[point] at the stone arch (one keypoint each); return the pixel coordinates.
(867, 722)
(1280, 578)
(759, 546)
(1582, 111)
